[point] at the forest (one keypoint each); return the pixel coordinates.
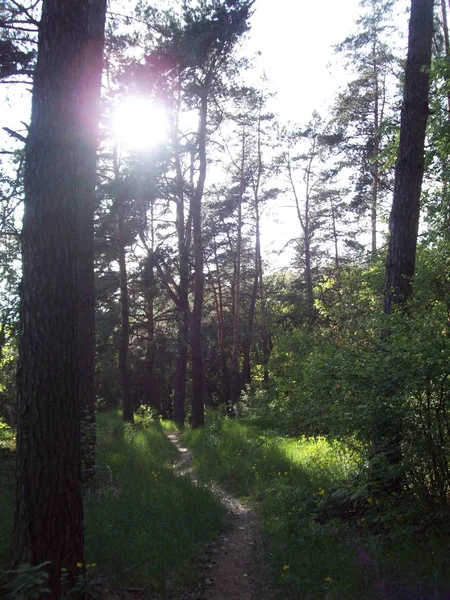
(185, 413)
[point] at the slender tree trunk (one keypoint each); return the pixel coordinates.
(307, 249)
(86, 333)
(375, 165)
(198, 377)
(124, 331)
(305, 224)
(48, 520)
(151, 395)
(179, 399)
(218, 301)
(235, 388)
(247, 373)
(266, 334)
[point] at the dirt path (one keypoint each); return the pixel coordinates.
(231, 567)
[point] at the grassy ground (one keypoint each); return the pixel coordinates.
(7, 471)
(318, 546)
(144, 527)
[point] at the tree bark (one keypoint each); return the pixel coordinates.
(409, 168)
(198, 377)
(235, 388)
(86, 316)
(124, 331)
(151, 394)
(48, 520)
(387, 429)
(184, 242)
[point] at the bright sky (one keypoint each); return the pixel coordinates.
(295, 39)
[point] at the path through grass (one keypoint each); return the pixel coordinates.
(145, 527)
(316, 547)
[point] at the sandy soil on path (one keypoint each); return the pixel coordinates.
(231, 568)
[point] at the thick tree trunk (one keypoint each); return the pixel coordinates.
(198, 378)
(86, 333)
(48, 521)
(404, 219)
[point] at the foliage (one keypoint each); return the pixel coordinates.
(27, 581)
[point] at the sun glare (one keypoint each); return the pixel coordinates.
(139, 124)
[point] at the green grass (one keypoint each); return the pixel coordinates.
(7, 473)
(316, 549)
(144, 526)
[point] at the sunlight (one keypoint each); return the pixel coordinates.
(139, 124)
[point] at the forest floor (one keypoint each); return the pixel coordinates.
(232, 566)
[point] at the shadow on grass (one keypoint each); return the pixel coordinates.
(314, 551)
(145, 526)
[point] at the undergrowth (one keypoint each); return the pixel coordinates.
(144, 526)
(324, 537)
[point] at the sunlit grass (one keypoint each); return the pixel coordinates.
(144, 525)
(317, 546)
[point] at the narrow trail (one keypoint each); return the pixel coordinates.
(231, 568)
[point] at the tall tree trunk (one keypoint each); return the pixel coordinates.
(247, 376)
(48, 520)
(235, 388)
(375, 159)
(151, 394)
(124, 331)
(183, 310)
(86, 316)
(266, 335)
(198, 377)
(446, 44)
(404, 219)
(218, 301)
(179, 397)
(409, 168)
(307, 242)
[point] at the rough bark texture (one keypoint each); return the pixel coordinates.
(198, 378)
(404, 219)
(86, 291)
(48, 521)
